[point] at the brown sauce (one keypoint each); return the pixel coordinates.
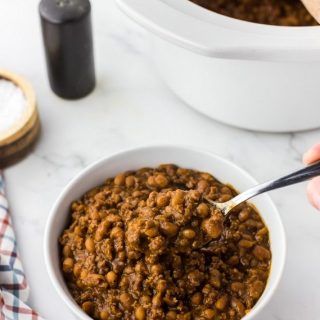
(134, 249)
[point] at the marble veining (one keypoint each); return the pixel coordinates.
(130, 107)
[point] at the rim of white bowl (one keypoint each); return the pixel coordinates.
(202, 31)
(262, 302)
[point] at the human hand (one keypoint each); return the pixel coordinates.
(313, 189)
(313, 6)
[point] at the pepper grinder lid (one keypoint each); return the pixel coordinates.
(67, 37)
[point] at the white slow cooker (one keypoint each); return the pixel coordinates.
(245, 74)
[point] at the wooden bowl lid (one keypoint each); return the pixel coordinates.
(20, 137)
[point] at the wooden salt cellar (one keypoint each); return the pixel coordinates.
(16, 142)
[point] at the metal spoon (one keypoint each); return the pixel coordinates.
(304, 174)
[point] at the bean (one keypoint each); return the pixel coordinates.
(124, 283)
(93, 279)
(195, 277)
(157, 300)
(213, 191)
(233, 260)
(122, 255)
(222, 302)
(237, 287)
(203, 210)
(94, 215)
(157, 244)
(128, 270)
(161, 285)
(254, 262)
(136, 194)
(126, 300)
(202, 185)
(100, 197)
(83, 274)
(196, 299)
(145, 300)
(171, 315)
(178, 198)
(156, 269)
(184, 242)
(77, 230)
(182, 171)
(212, 228)
(104, 315)
(162, 200)
(209, 313)
(225, 197)
(244, 215)
(189, 233)
(215, 273)
(215, 280)
(151, 181)
(67, 252)
(140, 313)
(262, 232)
(170, 169)
(185, 316)
(101, 231)
(111, 277)
(256, 289)
(77, 269)
(89, 244)
(252, 223)
(247, 237)
(246, 244)
(206, 176)
(88, 307)
(151, 232)
(261, 253)
(119, 180)
(68, 265)
(226, 190)
(161, 180)
(194, 195)
(115, 198)
(169, 229)
(116, 232)
(238, 306)
(130, 181)
(75, 205)
(112, 218)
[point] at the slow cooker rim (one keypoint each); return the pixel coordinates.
(207, 33)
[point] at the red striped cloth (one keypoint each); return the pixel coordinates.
(14, 290)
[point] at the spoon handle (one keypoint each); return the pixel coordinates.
(304, 174)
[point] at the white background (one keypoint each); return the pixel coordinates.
(130, 107)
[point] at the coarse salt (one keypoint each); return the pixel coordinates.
(13, 105)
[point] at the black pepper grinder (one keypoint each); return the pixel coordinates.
(67, 36)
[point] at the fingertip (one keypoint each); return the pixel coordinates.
(317, 14)
(312, 155)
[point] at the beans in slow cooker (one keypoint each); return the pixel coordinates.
(274, 12)
(134, 249)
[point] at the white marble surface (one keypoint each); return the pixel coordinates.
(130, 107)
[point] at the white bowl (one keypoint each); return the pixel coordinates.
(249, 75)
(152, 156)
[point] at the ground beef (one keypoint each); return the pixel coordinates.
(147, 245)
